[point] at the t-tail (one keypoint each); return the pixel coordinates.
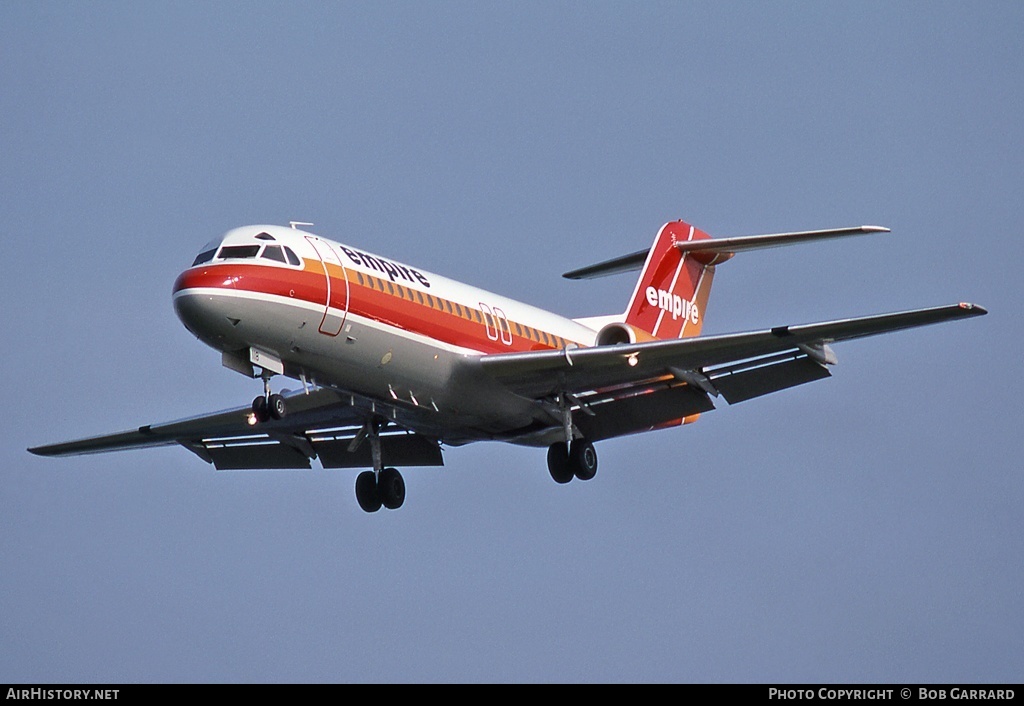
(671, 295)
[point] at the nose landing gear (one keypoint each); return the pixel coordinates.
(268, 406)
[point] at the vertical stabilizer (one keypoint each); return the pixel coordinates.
(672, 293)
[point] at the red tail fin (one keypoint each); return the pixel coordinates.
(671, 295)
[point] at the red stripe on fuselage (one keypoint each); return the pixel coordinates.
(397, 306)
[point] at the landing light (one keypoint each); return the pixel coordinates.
(632, 360)
(251, 419)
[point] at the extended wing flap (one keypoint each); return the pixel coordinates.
(401, 449)
(642, 412)
(758, 379)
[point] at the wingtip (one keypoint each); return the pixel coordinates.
(875, 229)
(974, 309)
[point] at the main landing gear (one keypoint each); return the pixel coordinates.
(374, 489)
(574, 457)
(381, 486)
(577, 459)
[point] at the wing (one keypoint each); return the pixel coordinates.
(647, 384)
(322, 424)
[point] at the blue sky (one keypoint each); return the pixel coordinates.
(863, 528)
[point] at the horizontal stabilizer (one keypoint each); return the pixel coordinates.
(719, 246)
(772, 240)
(626, 263)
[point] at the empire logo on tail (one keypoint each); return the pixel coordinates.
(673, 304)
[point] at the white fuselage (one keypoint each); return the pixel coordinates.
(340, 317)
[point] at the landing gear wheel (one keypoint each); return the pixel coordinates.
(276, 407)
(260, 409)
(367, 493)
(583, 459)
(391, 487)
(558, 462)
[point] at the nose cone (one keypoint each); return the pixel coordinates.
(204, 311)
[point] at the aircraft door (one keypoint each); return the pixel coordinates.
(336, 299)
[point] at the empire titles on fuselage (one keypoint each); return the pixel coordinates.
(391, 269)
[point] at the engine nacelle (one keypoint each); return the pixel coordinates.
(616, 333)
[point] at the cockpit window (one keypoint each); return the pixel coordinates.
(292, 257)
(204, 256)
(238, 251)
(273, 252)
(264, 236)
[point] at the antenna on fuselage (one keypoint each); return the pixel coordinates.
(295, 224)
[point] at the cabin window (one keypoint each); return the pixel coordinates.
(241, 252)
(204, 256)
(273, 252)
(419, 295)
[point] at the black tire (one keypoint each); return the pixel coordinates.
(367, 493)
(277, 407)
(391, 487)
(260, 409)
(558, 462)
(583, 459)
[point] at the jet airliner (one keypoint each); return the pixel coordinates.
(396, 362)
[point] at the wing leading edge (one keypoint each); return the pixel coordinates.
(323, 424)
(544, 373)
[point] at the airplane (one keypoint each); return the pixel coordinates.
(395, 362)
